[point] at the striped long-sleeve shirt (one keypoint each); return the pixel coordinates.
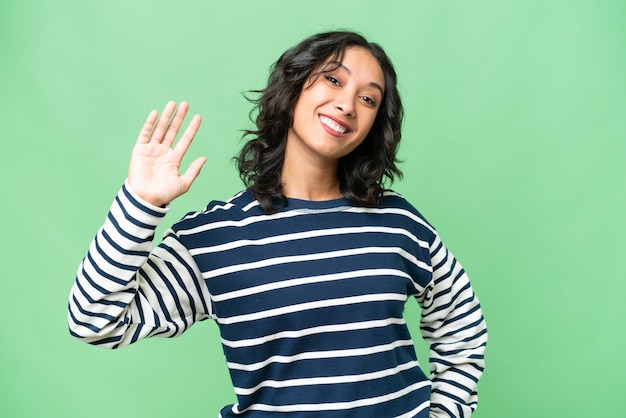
(309, 303)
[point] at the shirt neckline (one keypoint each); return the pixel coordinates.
(299, 204)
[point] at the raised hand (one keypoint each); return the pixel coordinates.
(154, 171)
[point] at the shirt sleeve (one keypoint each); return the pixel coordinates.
(453, 325)
(124, 291)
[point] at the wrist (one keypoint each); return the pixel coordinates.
(150, 202)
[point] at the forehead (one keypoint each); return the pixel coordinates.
(358, 63)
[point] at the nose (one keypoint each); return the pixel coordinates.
(345, 104)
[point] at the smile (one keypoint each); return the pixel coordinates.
(328, 122)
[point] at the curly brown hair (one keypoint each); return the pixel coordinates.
(362, 173)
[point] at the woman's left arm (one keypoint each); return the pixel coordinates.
(453, 324)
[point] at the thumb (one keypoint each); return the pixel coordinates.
(193, 171)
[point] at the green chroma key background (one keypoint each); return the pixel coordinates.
(514, 147)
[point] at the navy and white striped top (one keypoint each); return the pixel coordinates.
(309, 302)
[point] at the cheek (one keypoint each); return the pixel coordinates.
(298, 110)
(368, 123)
(303, 106)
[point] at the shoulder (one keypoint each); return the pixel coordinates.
(394, 205)
(238, 207)
(393, 200)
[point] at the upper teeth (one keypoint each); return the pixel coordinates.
(333, 125)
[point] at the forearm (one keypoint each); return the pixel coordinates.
(107, 279)
(453, 325)
(457, 363)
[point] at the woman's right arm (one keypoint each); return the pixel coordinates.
(124, 290)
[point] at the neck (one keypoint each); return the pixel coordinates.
(310, 181)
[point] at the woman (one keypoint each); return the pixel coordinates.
(307, 271)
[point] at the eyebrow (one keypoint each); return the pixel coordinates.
(347, 70)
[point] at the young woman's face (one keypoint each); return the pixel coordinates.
(336, 110)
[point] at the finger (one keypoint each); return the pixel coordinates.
(175, 124)
(192, 172)
(185, 140)
(164, 121)
(144, 134)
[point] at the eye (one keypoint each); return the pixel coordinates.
(332, 79)
(371, 102)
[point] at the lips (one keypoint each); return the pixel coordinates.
(333, 126)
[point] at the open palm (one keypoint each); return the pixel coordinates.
(154, 171)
